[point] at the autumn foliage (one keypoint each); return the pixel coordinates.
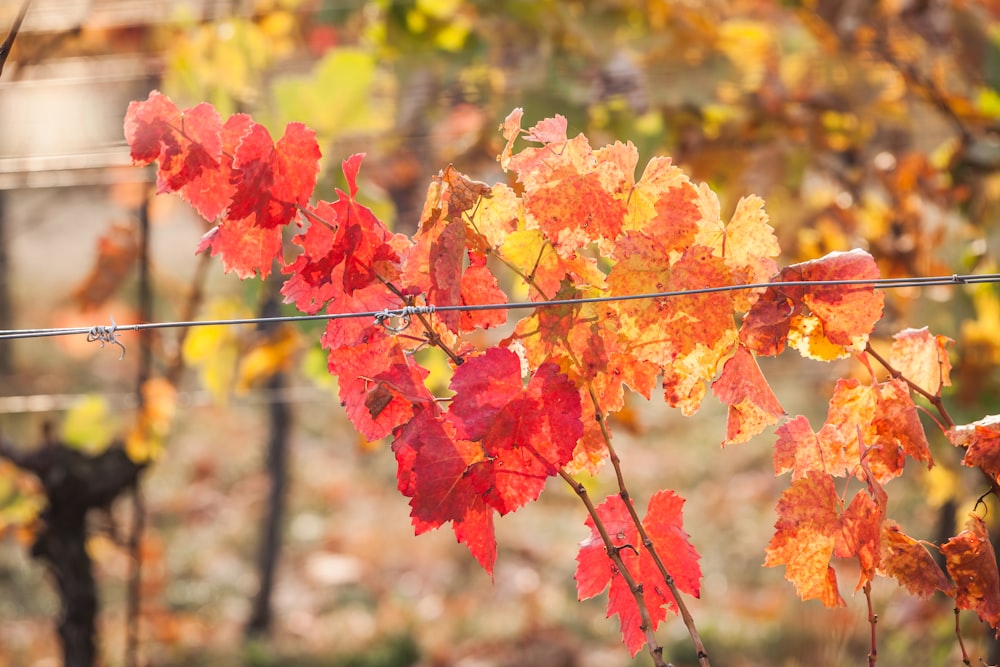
(576, 223)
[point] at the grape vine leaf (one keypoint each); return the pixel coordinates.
(822, 321)
(664, 203)
(861, 534)
(922, 358)
(889, 423)
(344, 234)
(685, 335)
(981, 440)
(799, 450)
(752, 405)
(492, 451)
(380, 386)
(596, 210)
(273, 179)
(479, 286)
(972, 564)
(747, 243)
(440, 267)
(663, 524)
(908, 562)
(806, 532)
(249, 238)
(445, 477)
(186, 144)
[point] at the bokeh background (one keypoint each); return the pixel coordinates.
(872, 124)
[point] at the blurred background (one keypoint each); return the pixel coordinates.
(273, 533)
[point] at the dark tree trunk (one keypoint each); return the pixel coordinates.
(74, 483)
(280, 421)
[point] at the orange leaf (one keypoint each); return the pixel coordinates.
(922, 359)
(908, 562)
(806, 532)
(981, 440)
(972, 564)
(824, 321)
(752, 405)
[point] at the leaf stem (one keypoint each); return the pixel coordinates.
(613, 551)
(933, 399)
(647, 543)
(937, 402)
(961, 642)
(314, 217)
(873, 621)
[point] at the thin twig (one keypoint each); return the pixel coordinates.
(8, 43)
(933, 399)
(647, 543)
(614, 553)
(873, 621)
(938, 403)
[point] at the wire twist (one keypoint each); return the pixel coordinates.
(102, 335)
(403, 314)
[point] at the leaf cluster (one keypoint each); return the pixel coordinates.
(575, 222)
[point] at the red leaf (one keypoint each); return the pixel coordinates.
(861, 535)
(528, 433)
(212, 192)
(591, 214)
(370, 369)
(244, 248)
(311, 283)
(686, 335)
(972, 565)
(889, 423)
(443, 477)
(362, 241)
(266, 184)
(193, 148)
(664, 205)
(433, 266)
(752, 405)
(479, 287)
(549, 130)
(824, 321)
(184, 143)
(272, 180)
(595, 570)
(493, 451)
(800, 451)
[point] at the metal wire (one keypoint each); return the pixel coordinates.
(109, 334)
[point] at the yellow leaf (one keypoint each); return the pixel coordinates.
(89, 425)
(214, 350)
(452, 37)
(267, 357)
(439, 9)
(805, 334)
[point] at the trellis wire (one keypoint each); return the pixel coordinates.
(109, 334)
